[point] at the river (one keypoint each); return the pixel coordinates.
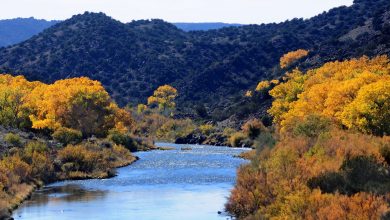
(173, 185)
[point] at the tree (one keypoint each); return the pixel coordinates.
(79, 103)
(291, 57)
(13, 92)
(351, 93)
(164, 97)
(370, 111)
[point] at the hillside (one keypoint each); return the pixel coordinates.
(16, 30)
(210, 67)
(13, 31)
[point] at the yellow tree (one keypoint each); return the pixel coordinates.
(13, 92)
(79, 103)
(291, 57)
(164, 97)
(370, 111)
(329, 90)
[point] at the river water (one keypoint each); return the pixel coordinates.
(173, 185)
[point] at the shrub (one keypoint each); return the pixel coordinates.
(253, 128)
(85, 159)
(35, 146)
(264, 140)
(123, 139)
(67, 136)
(13, 139)
(206, 129)
(237, 139)
(312, 126)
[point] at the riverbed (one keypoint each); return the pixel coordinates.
(171, 184)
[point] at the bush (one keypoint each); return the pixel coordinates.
(312, 126)
(124, 140)
(35, 146)
(67, 136)
(13, 139)
(253, 128)
(237, 139)
(84, 159)
(206, 129)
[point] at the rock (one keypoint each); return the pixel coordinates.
(191, 139)
(5, 214)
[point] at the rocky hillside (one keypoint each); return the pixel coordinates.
(210, 67)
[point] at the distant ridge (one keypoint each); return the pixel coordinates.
(13, 31)
(16, 30)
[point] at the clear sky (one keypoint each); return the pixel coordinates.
(230, 11)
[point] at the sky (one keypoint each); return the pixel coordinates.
(229, 11)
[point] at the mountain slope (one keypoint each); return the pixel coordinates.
(13, 31)
(16, 30)
(211, 67)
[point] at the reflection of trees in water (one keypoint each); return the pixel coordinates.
(66, 193)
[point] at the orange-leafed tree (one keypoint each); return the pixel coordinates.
(291, 57)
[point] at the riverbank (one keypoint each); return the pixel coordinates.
(26, 190)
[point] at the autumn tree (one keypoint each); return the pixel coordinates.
(370, 111)
(13, 92)
(352, 93)
(164, 97)
(79, 103)
(291, 57)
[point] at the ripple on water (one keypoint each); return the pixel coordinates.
(190, 184)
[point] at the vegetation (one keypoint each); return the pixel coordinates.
(291, 57)
(325, 163)
(74, 112)
(353, 94)
(163, 97)
(67, 136)
(212, 67)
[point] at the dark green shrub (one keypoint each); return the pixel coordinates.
(253, 128)
(312, 126)
(67, 136)
(13, 139)
(329, 182)
(124, 140)
(239, 139)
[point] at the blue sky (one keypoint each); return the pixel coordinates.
(231, 11)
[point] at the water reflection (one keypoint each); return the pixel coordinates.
(65, 193)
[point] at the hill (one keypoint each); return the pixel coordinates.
(13, 31)
(211, 68)
(16, 30)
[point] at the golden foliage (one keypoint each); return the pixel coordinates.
(316, 170)
(274, 185)
(79, 103)
(249, 93)
(291, 57)
(340, 91)
(263, 85)
(164, 97)
(13, 92)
